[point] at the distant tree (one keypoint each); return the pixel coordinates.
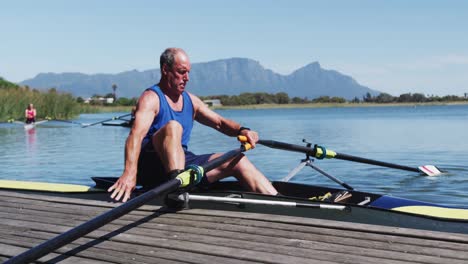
(451, 98)
(247, 99)
(418, 98)
(384, 98)
(297, 100)
(338, 100)
(321, 99)
(405, 98)
(80, 100)
(368, 98)
(282, 98)
(126, 101)
(114, 88)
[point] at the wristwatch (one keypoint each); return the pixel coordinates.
(242, 128)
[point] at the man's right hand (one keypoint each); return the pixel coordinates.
(123, 187)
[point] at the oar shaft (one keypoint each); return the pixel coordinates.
(97, 222)
(93, 224)
(312, 152)
(67, 121)
(287, 146)
(110, 119)
(374, 162)
(222, 159)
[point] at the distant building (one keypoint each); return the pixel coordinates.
(213, 102)
(106, 100)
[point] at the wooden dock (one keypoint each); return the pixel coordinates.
(151, 235)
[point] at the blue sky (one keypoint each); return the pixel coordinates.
(391, 46)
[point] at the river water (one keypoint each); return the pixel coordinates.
(406, 135)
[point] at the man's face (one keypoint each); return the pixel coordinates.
(178, 76)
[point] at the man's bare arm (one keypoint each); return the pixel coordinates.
(208, 117)
(147, 108)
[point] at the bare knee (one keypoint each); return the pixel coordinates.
(171, 129)
(168, 134)
(240, 166)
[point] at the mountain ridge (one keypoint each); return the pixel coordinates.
(230, 76)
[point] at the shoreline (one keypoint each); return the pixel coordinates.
(332, 105)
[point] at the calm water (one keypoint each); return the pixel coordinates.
(413, 136)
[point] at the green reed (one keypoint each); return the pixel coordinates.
(51, 104)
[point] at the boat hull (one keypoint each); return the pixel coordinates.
(371, 212)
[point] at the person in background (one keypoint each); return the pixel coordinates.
(30, 114)
(156, 149)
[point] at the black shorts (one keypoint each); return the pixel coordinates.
(30, 120)
(151, 171)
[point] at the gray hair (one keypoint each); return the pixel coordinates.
(168, 57)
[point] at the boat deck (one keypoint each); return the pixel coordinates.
(150, 235)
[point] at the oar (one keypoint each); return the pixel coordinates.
(320, 153)
(187, 178)
(68, 121)
(110, 119)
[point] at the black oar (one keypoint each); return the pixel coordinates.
(188, 177)
(68, 121)
(110, 119)
(320, 153)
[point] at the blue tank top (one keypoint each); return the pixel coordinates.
(166, 113)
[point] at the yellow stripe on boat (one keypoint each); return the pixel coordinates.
(452, 213)
(44, 186)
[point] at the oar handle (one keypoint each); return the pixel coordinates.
(287, 146)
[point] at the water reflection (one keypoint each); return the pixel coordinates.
(31, 139)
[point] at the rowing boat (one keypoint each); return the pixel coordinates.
(34, 124)
(122, 124)
(295, 200)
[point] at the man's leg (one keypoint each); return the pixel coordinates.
(166, 142)
(245, 172)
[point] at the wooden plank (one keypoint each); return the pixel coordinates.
(7, 251)
(303, 222)
(277, 218)
(169, 242)
(124, 246)
(91, 253)
(269, 229)
(153, 253)
(262, 237)
(291, 250)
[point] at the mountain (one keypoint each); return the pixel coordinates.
(227, 76)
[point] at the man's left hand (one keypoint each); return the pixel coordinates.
(252, 136)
